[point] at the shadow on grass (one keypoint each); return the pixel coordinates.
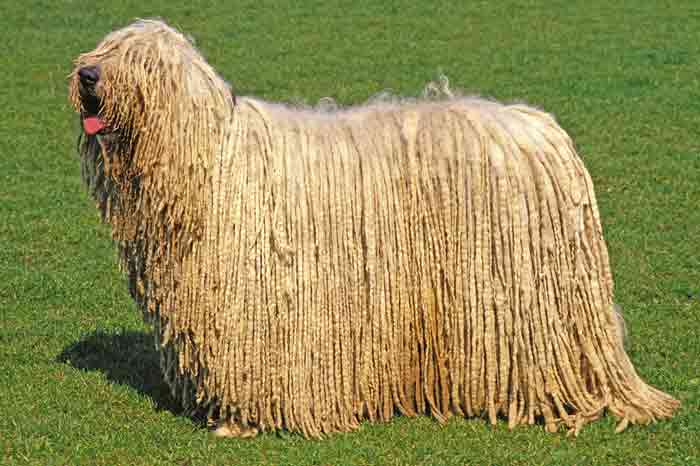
(127, 358)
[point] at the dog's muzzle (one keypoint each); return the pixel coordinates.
(89, 76)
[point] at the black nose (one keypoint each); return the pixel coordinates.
(89, 74)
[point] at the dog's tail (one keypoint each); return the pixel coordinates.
(621, 325)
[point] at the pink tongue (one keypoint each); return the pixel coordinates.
(93, 125)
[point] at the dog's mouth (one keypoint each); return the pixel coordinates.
(89, 85)
(93, 125)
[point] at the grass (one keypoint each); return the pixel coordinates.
(79, 380)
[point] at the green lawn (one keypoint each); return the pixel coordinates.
(79, 380)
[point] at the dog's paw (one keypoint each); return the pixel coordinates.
(227, 429)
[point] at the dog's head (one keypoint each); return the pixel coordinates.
(147, 87)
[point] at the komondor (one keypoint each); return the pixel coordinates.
(308, 270)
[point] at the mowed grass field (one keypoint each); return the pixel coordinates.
(79, 379)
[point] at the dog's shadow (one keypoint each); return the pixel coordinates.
(127, 358)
